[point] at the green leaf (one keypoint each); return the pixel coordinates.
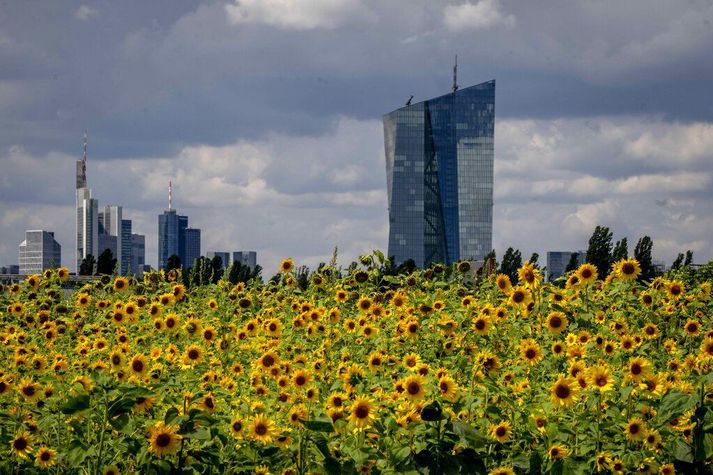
(75, 404)
(171, 414)
(682, 451)
(674, 404)
(320, 425)
(432, 412)
(401, 453)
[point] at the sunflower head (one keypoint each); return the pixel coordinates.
(163, 439)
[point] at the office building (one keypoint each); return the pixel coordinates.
(192, 246)
(224, 257)
(39, 251)
(126, 246)
(111, 223)
(138, 253)
(557, 263)
(246, 258)
(175, 238)
(10, 269)
(87, 225)
(439, 169)
(107, 241)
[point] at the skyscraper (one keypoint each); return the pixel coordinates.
(246, 258)
(39, 251)
(439, 173)
(138, 253)
(87, 213)
(224, 257)
(192, 246)
(175, 237)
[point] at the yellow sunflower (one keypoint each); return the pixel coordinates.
(261, 429)
(163, 439)
(363, 413)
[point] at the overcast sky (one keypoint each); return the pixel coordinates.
(266, 114)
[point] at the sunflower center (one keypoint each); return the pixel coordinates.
(480, 324)
(45, 456)
(627, 268)
(137, 366)
(562, 391)
(163, 440)
(530, 354)
(20, 444)
(601, 381)
(636, 368)
(268, 361)
(634, 429)
(261, 429)
(413, 388)
(361, 412)
(555, 322)
(500, 431)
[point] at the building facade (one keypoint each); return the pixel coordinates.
(246, 258)
(192, 246)
(224, 257)
(39, 251)
(138, 253)
(439, 172)
(557, 263)
(87, 225)
(10, 269)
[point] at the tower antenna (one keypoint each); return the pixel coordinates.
(170, 196)
(455, 75)
(84, 157)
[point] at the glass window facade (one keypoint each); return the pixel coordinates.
(439, 169)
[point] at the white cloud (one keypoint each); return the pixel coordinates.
(294, 14)
(85, 13)
(483, 14)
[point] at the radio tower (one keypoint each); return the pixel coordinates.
(170, 196)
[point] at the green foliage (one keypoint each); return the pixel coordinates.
(642, 253)
(87, 265)
(512, 261)
(106, 263)
(599, 252)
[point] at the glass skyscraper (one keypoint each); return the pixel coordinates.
(439, 173)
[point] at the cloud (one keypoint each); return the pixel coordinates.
(85, 13)
(483, 14)
(293, 14)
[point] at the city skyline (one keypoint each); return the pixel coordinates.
(602, 118)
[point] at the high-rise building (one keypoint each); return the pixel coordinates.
(192, 246)
(10, 269)
(138, 253)
(557, 263)
(87, 224)
(126, 246)
(107, 241)
(246, 258)
(111, 223)
(224, 257)
(439, 169)
(39, 251)
(176, 238)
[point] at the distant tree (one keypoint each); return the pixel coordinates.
(573, 262)
(689, 258)
(216, 265)
(642, 253)
(678, 262)
(621, 251)
(174, 262)
(490, 262)
(600, 250)
(533, 260)
(302, 276)
(87, 265)
(106, 263)
(238, 272)
(512, 261)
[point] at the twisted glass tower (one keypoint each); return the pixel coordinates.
(439, 174)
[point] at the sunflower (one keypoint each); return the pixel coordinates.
(34, 281)
(530, 351)
(364, 304)
(556, 322)
(111, 470)
(301, 378)
(635, 429)
(587, 273)
(164, 439)
(375, 360)
(236, 427)
(692, 327)
(675, 289)
(193, 355)
(707, 348)
(557, 452)
(341, 295)
(261, 429)
(298, 414)
(448, 388)
(414, 387)
(45, 457)
(287, 265)
(501, 432)
(564, 392)
(529, 275)
(29, 390)
(138, 365)
(502, 471)
(121, 284)
(503, 283)
(600, 378)
(208, 403)
(21, 445)
(482, 324)
(520, 296)
(627, 269)
(363, 413)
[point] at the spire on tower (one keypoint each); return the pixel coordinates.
(81, 172)
(84, 157)
(170, 196)
(455, 75)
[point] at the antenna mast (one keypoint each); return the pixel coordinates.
(455, 75)
(84, 157)
(170, 196)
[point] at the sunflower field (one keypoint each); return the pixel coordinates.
(438, 371)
